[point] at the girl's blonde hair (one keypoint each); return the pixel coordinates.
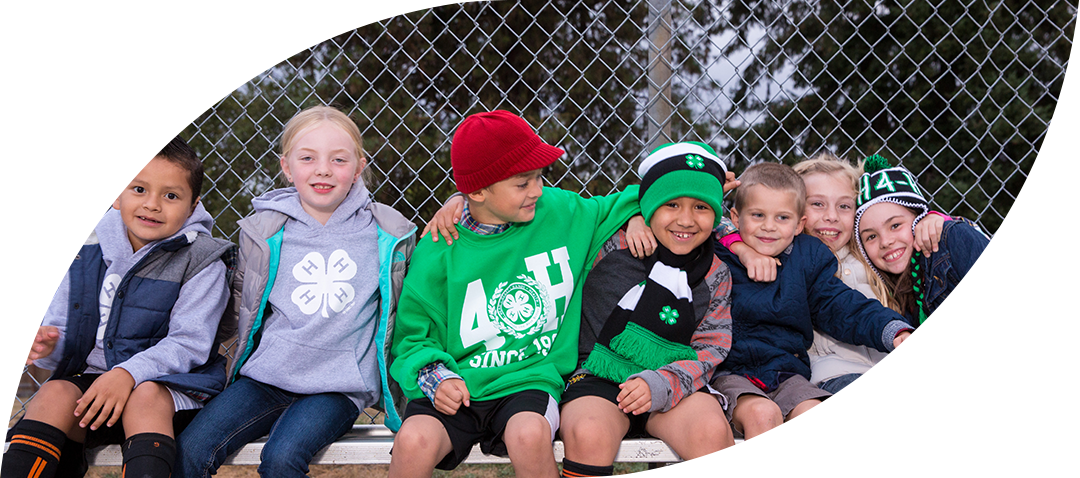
(314, 116)
(826, 162)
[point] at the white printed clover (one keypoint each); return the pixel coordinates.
(325, 282)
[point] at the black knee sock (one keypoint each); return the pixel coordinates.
(723, 466)
(34, 450)
(575, 469)
(72, 460)
(148, 455)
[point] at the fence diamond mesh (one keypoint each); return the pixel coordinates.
(959, 92)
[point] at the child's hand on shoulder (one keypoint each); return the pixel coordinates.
(908, 355)
(640, 237)
(759, 267)
(44, 343)
(451, 395)
(105, 399)
(442, 223)
(730, 182)
(635, 396)
(928, 233)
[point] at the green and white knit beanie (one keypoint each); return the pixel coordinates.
(687, 169)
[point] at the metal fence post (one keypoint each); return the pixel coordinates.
(659, 71)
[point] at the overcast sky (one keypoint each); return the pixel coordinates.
(55, 52)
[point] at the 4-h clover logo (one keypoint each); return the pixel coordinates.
(695, 161)
(517, 306)
(521, 308)
(669, 315)
(324, 282)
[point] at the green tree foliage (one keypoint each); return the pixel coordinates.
(55, 172)
(575, 70)
(960, 93)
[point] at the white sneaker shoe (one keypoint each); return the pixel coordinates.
(943, 431)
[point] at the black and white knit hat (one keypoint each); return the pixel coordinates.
(687, 169)
(881, 182)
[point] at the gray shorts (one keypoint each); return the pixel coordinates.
(787, 396)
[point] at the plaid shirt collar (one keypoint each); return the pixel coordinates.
(471, 224)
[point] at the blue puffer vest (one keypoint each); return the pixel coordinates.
(140, 312)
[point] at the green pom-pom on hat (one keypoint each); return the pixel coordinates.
(875, 163)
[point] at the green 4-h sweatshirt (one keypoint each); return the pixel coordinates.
(503, 311)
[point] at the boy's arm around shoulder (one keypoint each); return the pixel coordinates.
(711, 340)
(843, 312)
(421, 325)
(609, 213)
(995, 303)
(193, 326)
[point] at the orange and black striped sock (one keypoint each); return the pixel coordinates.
(723, 466)
(34, 450)
(577, 470)
(148, 455)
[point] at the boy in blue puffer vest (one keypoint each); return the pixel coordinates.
(132, 332)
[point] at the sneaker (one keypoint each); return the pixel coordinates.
(943, 431)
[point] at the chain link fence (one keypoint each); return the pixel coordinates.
(959, 92)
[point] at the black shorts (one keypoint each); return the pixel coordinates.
(114, 435)
(588, 385)
(484, 421)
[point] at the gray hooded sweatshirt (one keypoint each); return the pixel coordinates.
(320, 334)
(191, 335)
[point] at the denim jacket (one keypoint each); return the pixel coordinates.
(983, 304)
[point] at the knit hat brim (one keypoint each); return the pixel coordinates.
(684, 183)
(687, 169)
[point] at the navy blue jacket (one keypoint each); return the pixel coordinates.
(773, 322)
(983, 304)
(140, 312)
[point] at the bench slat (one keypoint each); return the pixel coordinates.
(370, 445)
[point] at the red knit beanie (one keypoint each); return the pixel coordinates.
(490, 147)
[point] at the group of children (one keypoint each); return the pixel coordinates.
(541, 314)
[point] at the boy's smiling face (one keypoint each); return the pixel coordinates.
(682, 224)
(510, 200)
(769, 219)
(156, 203)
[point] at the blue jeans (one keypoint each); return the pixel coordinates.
(298, 426)
(1060, 413)
(876, 412)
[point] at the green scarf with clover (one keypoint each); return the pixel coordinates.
(654, 322)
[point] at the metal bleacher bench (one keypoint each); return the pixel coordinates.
(370, 445)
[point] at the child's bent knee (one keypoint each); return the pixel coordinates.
(54, 399)
(592, 434)
(419, 434)
(757, 413)
(527, 429)
(151, 394)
